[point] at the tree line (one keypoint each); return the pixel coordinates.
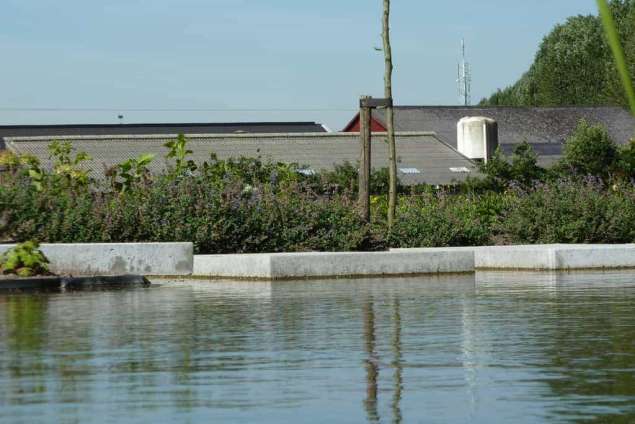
(574, 65)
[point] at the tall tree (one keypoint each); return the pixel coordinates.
(390, 121)
(574, 64)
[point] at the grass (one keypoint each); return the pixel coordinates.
(618, 52)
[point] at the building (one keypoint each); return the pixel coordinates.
(545, 128)
(136, 129)
(422, 157)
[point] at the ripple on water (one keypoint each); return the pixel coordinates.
(495, 347)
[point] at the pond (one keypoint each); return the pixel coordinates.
(510, 348)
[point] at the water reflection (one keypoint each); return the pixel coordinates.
(372, 363)
(398, 371)
(558, 348)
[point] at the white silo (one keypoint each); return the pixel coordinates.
(477, 137)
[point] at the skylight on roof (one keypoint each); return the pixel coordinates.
(409, 171)
(460, 170)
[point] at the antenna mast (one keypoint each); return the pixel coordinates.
(464, 79)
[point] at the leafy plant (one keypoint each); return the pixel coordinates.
(24, 260)
(9, 159)
(570, 211)
(590, 151)
(524, 166)
(250, 170)
(66, 165)
(131, 172)
(178, 151)
(626, 164)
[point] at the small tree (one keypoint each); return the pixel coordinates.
(497, 171)
(390, 124)
(590, 151)
(524, 167)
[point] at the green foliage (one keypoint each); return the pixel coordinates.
(626, 163)
(24, 260)
(570, 211)
(247, 205)
(250, 171)
(446, 220)
(9, 160)
(590, 151)
(524, 166)
(65, 165)
(133, 171)
(219, 217)
(574, 65)
(178, 151)
(345, 177)
(499, 173)
(26, 164)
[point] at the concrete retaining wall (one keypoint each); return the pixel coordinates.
(176, 259)
(555, 257)
(151, 259)
(317, 265)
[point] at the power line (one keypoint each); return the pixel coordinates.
(109, 109)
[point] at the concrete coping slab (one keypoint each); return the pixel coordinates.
(556, 257)
(177, 259)
(150, 259)
(313, 265)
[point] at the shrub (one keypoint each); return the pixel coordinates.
(590, 151)
(235, 217)
(66, 166)
(446, 220)
(24, 260)
(567, 211)
(524, 166)
(125, 175)
(249, 206)
(626, 163)
(499, 173)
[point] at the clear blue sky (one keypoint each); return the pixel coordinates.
(254, 54)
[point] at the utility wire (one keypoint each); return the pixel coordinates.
(71, 109)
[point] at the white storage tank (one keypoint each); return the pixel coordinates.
(477, 137)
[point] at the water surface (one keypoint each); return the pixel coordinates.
(508, 348)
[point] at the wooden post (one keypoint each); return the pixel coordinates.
(364, 161)
(390, 124)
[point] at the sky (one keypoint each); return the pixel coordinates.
(87, 61)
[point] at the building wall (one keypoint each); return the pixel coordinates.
(354, 125)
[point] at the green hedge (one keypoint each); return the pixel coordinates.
(263, 218)
(247, 206)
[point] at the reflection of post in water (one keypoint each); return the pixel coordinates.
(372, 366)
(397, 376)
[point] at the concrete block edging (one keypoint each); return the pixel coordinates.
(177, 259)
(89, 259)
(311, 265)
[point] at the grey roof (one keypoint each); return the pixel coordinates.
(536, 125)
(175, 128)
(417, 152)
